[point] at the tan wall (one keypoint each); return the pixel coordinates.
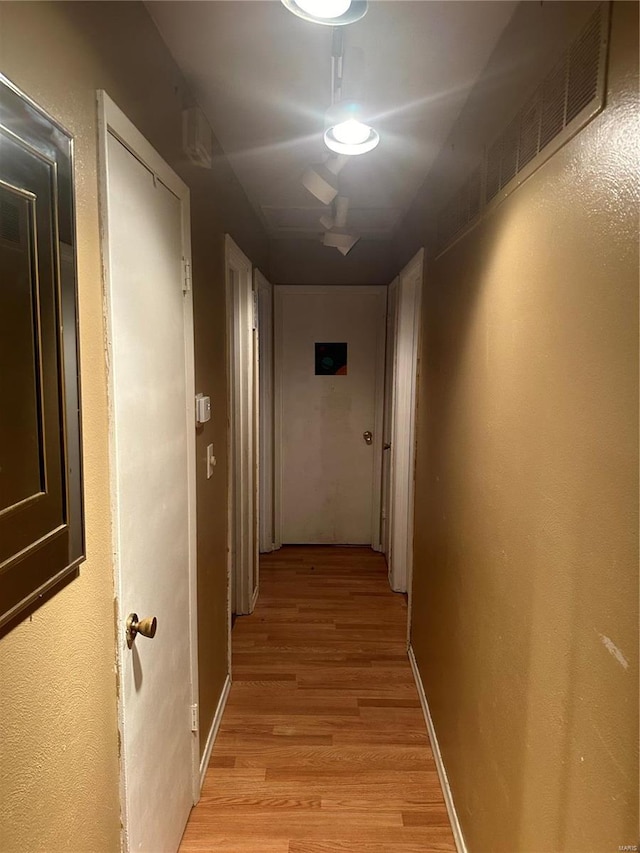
(525, 595)
(58, 744)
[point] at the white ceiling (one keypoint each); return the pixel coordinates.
(263, 77)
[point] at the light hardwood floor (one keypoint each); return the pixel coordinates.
(322, 747)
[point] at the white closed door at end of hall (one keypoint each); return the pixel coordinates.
(329, 365)
(150, 454)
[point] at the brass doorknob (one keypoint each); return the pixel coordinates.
(147, 627)
(368, 437)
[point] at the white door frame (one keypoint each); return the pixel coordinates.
(264, 290)
(403, 432)
(376, 501)
(243, 430)
(111, 120)
(387, 457)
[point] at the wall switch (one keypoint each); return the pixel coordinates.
(211, 461)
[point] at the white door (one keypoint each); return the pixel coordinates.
(243, 429)
(329, 388)
(152, 457)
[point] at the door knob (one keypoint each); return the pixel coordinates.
(147, 627)
(368, 437)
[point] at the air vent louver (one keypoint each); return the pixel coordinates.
(494, 156)
(475, 194)
(583, 68)
(509, 165)
(529, 132)
(569, 96)
(552, 107)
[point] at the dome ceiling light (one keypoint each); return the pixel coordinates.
(331, 13)
(346, 133)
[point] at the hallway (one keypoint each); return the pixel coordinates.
(323, 745)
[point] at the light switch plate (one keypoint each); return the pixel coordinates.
(203, 408)
(211, 461)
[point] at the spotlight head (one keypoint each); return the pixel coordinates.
(335, 163)
(321, 183)
(341, 210)
(342, 241)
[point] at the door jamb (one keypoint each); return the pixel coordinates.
(403, 432)
(386, 508)
(244, 548)
(111, 120)
(264, 290)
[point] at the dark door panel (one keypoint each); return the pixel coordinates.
(41, 524)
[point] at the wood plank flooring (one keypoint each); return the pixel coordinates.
(322, 747)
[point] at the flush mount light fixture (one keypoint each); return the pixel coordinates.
(332, 13)
(346, 133)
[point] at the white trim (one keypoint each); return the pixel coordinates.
(111, 120)
(437, 755)
(242, 484)
(279, 291)
(378, 430)
(213, 731)
(403, 431)
(254, 598)
(386, 506)
(277, 417)
(264, 289)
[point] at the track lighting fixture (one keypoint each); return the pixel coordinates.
(342, 241)
(335, 225)
(327, 221)
(332, 13)
(322, 179)
(338, 219)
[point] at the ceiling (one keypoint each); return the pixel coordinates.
(263, 78)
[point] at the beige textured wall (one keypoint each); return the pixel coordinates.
(58, 743)
(525, 596)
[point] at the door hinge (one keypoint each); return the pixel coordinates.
(255, 309)
(186, 276)
(195, 720)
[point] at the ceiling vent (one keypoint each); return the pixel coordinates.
(569, 96)
(197, 138)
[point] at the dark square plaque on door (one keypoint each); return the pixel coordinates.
(331, 359)
(41, 513)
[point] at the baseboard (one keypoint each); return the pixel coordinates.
(215, 725)
(254, 599)
(442, 773)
